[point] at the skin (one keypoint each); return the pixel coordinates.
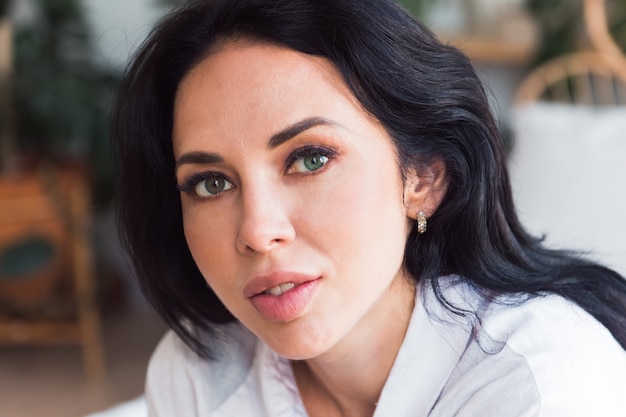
(344, 220)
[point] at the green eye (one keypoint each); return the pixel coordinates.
(315, 161)
(212, 185)
(310, 162)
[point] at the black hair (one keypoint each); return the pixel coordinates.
(432, 104)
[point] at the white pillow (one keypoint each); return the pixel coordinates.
(568, 172)
(133, 408)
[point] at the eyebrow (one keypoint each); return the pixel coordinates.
(198, 158)
(276, 140)
(295, 129)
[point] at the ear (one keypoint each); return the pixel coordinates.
(424, 189)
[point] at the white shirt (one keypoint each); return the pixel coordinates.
(545, 357)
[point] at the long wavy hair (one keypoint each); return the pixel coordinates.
(432, 104)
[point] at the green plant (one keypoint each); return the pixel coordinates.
(562, 28)
(417, 7)
(61, 96)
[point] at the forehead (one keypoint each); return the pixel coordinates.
(250, 88)
(243, 62)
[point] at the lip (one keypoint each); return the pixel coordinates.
(286, 306)
(262, 283)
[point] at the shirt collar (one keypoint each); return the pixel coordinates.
(430, 351)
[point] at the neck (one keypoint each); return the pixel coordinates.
(348, 379)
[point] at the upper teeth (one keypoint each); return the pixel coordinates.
(281, 288)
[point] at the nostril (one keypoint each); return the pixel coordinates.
(263, 247)
(262, 240)
(264, 226)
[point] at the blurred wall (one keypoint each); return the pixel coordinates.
(119, 26)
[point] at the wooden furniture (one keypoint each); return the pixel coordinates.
(495, 51)
(595, 77)
(55, 304)
(501, 35)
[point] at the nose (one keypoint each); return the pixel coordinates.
(265, 223)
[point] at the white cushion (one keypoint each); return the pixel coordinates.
(568, 172)
(133, 408)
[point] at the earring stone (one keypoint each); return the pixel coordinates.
(421, 222)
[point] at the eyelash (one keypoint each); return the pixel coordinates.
(193, 180)
(310, 150)
(190, 183)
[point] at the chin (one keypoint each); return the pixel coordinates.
(299, 346)
(297, 353)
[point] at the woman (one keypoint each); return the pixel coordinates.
(315, 197)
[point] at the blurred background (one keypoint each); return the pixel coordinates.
(75, 332)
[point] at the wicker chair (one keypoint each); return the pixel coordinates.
(594, 77)
(568, 160)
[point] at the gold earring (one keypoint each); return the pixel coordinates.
(421, 222)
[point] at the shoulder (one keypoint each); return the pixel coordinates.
(552, 332)
(575, 361)
(546, 355)
(182, 383)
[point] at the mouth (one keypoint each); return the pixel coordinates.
(276, 283)
(280, 289)
(282, 296)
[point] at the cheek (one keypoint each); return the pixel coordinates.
(364, 217)
(207, 241)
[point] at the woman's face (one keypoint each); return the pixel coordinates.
(292, 198)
